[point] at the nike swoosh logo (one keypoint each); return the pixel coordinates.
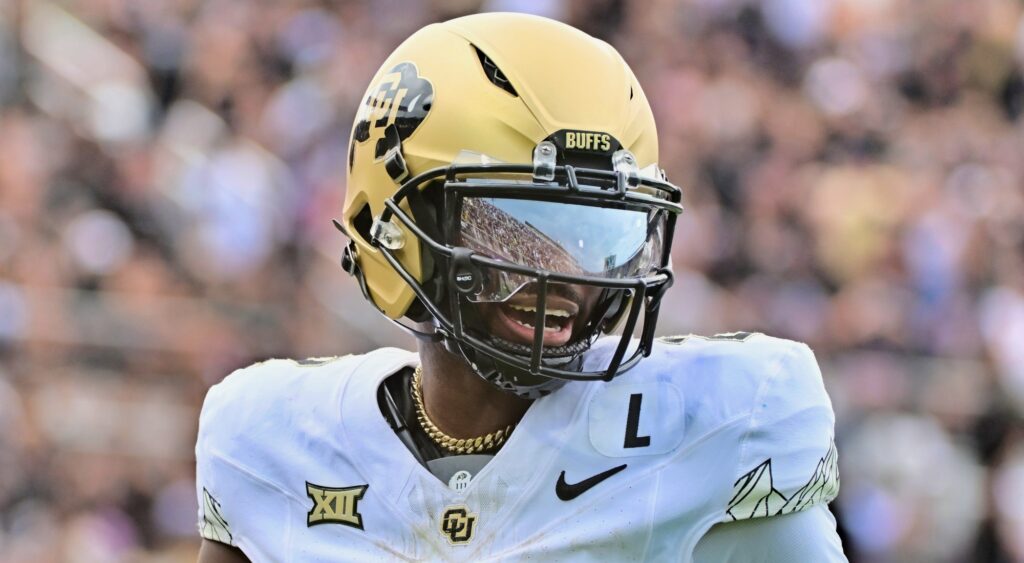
(565, 491)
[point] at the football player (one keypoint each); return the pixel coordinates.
(506, 206)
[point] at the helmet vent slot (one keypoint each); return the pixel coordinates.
(494, 73)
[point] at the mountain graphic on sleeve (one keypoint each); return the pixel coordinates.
(755, 496)
(213, 526)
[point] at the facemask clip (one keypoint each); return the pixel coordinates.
(387, 234)
(544, 159)
(465, 277)
(624, 162)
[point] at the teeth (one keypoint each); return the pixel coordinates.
(546, 329)
(549, 312)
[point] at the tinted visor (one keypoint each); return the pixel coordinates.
(565, 238)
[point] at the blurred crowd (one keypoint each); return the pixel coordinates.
(169, 169)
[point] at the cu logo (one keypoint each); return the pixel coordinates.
(457, 524)
(401, 98)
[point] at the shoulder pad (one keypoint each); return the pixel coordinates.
(252, 404)
(788, 460)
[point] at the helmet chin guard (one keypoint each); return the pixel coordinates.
(505, 376)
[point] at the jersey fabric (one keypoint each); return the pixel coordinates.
(806, 535)
(295, 461)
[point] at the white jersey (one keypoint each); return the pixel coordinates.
(297, 463)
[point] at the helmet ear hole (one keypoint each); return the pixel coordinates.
(363, 221)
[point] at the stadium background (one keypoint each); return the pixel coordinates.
(168, 169)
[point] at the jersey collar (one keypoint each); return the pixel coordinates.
(381, 457)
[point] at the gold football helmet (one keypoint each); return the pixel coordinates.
(503, 185)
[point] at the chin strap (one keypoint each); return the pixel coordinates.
(507, 378)
(571, 349)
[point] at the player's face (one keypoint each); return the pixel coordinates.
(567, 239)
(567, 310)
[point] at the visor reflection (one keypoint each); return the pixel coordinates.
(558, 237)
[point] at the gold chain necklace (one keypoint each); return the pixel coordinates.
(486, 442)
